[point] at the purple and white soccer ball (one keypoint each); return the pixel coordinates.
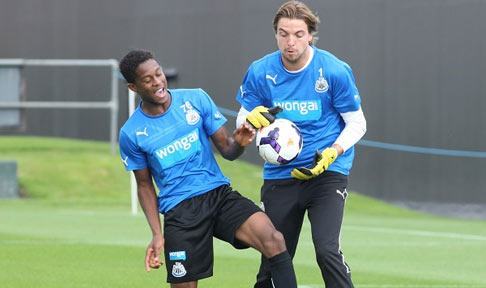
(280, 142)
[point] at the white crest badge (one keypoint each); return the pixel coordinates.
(192, 117)
(321, 85)
(178, 270)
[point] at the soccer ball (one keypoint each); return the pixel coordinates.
(280, 142)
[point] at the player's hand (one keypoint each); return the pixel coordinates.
(262, 116)
(244, 134)
(152, 254)
(321, 163)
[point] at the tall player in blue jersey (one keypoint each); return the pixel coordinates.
(317, 92)
(167, 139)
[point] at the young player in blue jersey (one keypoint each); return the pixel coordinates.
(317, 92)
(168, 140)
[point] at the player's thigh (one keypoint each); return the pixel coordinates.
(326, 208)
(259, 233)
(283, 203)
(233, 211)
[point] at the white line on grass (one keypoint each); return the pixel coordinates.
(401, 286)
(54, 242)
(418, 232)
(417, 286)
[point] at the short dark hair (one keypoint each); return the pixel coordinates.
(129, 63)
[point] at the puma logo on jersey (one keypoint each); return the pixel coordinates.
(142, 133)
(242, 92)
(343, 194)
(274, 78)
(218, 115)
(125, 161)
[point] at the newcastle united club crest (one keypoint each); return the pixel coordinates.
(321, 85)
(192, 116)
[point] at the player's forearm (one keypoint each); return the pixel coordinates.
(232, 149)
(149, 204)
(232, 146)
(353, 131)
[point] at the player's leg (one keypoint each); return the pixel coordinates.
(241, 223)
(281, 202)
(188, 247)
(325, 213)
(259, 233)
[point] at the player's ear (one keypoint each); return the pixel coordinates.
(311, 39)
(132, 87)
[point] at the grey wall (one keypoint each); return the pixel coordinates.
(420, 67)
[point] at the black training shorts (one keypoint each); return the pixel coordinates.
(190, 226)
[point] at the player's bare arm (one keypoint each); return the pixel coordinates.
(148, 201)
(232, 146)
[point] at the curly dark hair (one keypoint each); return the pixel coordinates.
(129, 63)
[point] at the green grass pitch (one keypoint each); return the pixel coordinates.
(74, 229)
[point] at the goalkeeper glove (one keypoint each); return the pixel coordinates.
(321, 163)
(262, 116)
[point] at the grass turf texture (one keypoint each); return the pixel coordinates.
(74, 229)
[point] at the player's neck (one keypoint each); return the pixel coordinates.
(301, 63)
(155, 109)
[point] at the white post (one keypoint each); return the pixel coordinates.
(114, 106)
(133, 182)
(133, 193)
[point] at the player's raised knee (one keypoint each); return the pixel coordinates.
(275, 244)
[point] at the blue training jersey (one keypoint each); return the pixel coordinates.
(175, 146)
(312, 98)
